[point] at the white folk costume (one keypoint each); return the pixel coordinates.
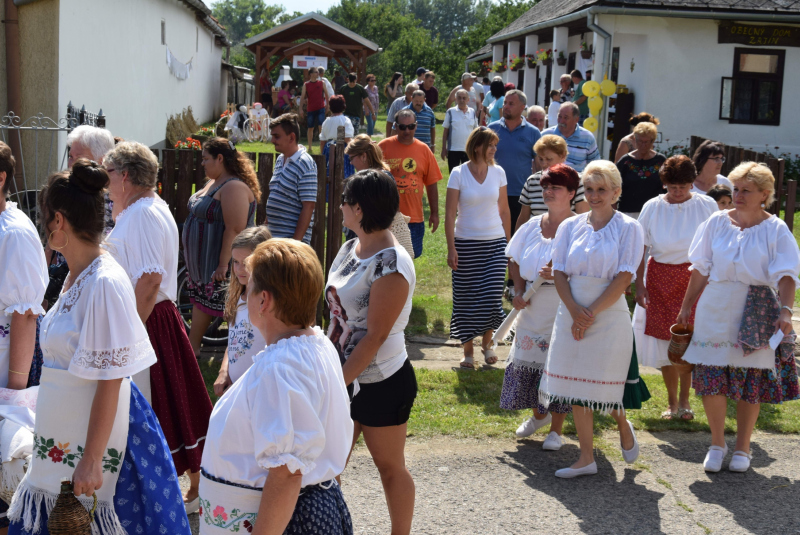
(24, 276)
(534, 325)
(290, 408)
(235, 125)
(145, 240)
(593, 371)
(244, 342)
(668, 232)
(91, 334)
(743, 269)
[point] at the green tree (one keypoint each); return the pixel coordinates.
(240, 17)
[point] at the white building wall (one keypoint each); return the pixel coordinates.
(111, 57)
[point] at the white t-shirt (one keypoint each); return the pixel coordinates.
(244, 342)
(460, 125)
(669, 228)
(720, 180)
(478, 214)
(759, 256)
(580, 250)
(290, 408)
(347, 294)
(552, 113)
(331, 125)
(145, 240)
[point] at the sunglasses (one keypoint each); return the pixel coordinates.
(404, 127)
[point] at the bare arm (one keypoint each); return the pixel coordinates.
(368, 102)
(581, 100)
(622, 150)
(450, 98)
(302, 99)
(235, 199)
(88, 475)
(642, 297)
(450, 212)
(444, 143)
(524, 216)
(433, 202)
(786, 289)
(697, 283)
(146, 292)
(223, 378)
(304, 220)
(278, 500)
(433, 134)
(388, 129)
(391, 292)
(22, 341)
(505, 212)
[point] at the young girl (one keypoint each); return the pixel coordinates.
(244, 340)
(722, 194)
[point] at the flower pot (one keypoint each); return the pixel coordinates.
(679, 343)
(531, 64)
(586, 54)
(562, 61)
(547, 62)
(514, 68)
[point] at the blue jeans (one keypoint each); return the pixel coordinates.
(370, 125)
(315, 118)
(417, 232)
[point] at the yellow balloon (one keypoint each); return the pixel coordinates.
(608, 88)
(590, 124)
(591, 88)
(595, 105)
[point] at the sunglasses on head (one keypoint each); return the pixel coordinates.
(405, 127)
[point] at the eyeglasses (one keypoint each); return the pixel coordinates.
(719, 159)
(404, 127)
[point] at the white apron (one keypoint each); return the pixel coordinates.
(594, 370)
(65, 404)
(716, 330)
(225, 508)
(534, 328)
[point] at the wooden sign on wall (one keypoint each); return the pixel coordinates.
(753, 35)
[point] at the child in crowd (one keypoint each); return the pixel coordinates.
(552, 110)
(244, 340)
(723, 196)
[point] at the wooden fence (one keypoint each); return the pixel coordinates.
(785, 190)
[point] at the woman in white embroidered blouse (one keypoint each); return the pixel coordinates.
(145, 243)
(92, 423)
(22, 284)
(284, 426)
(595, 256)
(669, 222)
(739, 257)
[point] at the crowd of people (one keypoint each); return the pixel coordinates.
(531, 212)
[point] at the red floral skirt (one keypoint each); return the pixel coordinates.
(666, 284)
(180, 398)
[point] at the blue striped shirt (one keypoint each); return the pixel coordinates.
(292, 184)
(581, 146)
(425, 121)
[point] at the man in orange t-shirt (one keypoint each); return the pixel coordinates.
(413, 166)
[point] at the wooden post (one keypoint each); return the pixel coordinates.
(184, 183)
(334, 201)
(265, 167)
(168, 184)
(791, 199)
(319, 224)
(776, 166)
(199, 171)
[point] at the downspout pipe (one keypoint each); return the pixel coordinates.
(606, 70)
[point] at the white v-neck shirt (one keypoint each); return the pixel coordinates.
(478, 214)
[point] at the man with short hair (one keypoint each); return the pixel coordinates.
(431, 93)
(426, 120)
(355, 97)
(536, 116)
(397, 105)
(581, 145)
(93, 143)
(328, 86)
(475, 95)
(420, 76)
(316, 97)
(579, 98)
(413, 167)
(515, 148)
(338, 80)
(293, 186)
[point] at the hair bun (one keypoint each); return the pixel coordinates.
(88, 176)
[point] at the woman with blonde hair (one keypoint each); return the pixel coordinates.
(627, 144)
(639, 171)
(595, 257)
(244, 340)
(550, 150)
(477, 227)
(740, 257)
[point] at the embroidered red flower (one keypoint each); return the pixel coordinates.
(56, 454)
(248, 526)
(220, 511)
(200, 511)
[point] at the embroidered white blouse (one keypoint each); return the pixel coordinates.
(244, 342)
(93, 330)
(529, 249)
(761, 255)
(24, 276)
(145, 240)
(580, 250)
(290, 408)
(669, 228)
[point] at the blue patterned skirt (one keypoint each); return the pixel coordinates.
(148, 498)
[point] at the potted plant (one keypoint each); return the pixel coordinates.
(531, 59)
(517, 62)
(562, 59)
(189, 143)
(500, 66)
(486, 67)
(545, 56)
(586, 50)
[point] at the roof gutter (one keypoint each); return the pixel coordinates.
(645, 12)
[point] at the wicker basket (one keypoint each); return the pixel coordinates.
(7, 494)
(69, 516)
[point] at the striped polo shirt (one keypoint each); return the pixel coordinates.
(581, 145)
(425, 121)
(292, 183)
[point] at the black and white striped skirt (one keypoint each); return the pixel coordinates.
(478, 288)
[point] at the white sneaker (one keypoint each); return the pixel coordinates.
(553, 442)
(632, 454)
(530, 425)
(740, 462)
(588, 470)
(714, 457)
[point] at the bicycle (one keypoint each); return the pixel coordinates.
(257, 129)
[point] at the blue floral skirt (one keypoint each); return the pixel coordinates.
(521, 391)
(148, 498)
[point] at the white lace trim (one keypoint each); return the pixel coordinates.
(22, 308)
(106, 359)
(137, 201)
(70, 297)
(153, 268)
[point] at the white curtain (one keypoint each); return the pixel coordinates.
(180, 70)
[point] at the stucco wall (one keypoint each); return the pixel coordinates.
(120, 65)
(3, 87)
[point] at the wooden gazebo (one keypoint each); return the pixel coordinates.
(339, 44)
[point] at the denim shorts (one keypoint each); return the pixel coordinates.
(315, 118)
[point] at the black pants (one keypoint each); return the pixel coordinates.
(456, 158)
(514, 207)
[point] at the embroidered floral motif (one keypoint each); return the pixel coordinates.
(70, 297)
(5, 330)
(61, 454)
(242, 340)
(716, 345)
(120, 357)
(234, 520)
(525, 343)
(542, 344)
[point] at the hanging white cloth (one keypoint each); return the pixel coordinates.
(180, 70)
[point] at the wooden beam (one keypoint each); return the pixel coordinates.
(331, 45)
